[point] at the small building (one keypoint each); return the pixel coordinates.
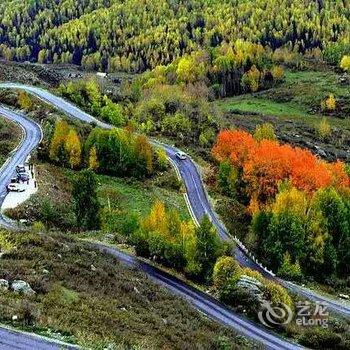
(101, 74)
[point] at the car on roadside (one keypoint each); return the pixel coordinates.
(23, 177)
(20, 169)
(181, 155)
(15, 188)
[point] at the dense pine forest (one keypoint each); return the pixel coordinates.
(135, 35)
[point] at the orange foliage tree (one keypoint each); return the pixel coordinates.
(234, 145)
(266, 163)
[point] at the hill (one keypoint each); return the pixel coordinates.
(127, 35)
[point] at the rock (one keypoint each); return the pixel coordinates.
(4, 285)
(14, 318)
(252, 286)
(320, 152)
(46, 272)
(19, 286)
(93, 268)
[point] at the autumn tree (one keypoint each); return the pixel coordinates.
(251, 79)
(58, 141)
(73, 148)
(93, 159)
(264, 131)
(24, 100)
(345, 63)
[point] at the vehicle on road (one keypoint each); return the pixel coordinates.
(181, 155)
(12, 187)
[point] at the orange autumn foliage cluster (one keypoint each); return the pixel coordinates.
(264, 164)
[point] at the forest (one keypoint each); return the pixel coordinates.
(122, 35)
(299, 204)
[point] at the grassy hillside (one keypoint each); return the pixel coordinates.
(294, 108)
(52, 204)
(93, 300)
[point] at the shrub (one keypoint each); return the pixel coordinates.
(319, 338)
(264, 131)
(323, 128)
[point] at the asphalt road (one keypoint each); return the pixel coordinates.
(10, 340)
(200, 206)
(31, 138)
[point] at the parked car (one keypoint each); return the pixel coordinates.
(15, 188)
(20, 168)
(14, 180)
(23, 177)
(181, 155)
(344, 296)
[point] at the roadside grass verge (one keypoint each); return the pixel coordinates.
(10, 136)
(53, 206)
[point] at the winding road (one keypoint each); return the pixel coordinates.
(199, 205)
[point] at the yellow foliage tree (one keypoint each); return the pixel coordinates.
(73, 148)
(25, 101)
(277, 73)
(93, 159)
(345, 63)
(264, 131)
(323, 128)
(330, 103)
(57, 145)
(157, 220)
(291, 200)
(251, 79)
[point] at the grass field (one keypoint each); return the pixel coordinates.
(298, 98)
(138, 196)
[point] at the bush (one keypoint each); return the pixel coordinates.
(264, 131)
(319, 338)
(323, 129)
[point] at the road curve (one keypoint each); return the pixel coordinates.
(31, 138)
(196, 193)
(208, 305)
(11, 339)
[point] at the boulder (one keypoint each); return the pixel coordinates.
(251, 286)
(4, 285)
(19, 286)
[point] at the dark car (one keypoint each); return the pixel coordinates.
(23, 177)
(20, 169)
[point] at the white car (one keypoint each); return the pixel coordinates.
(181, 155)
(12, 187)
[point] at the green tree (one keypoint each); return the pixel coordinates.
(86, 204)
(208, 248)
(225, 276)
(227, 179)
